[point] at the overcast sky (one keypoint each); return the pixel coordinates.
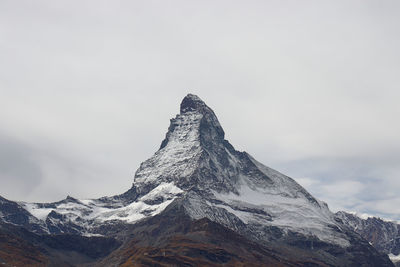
(310, 88)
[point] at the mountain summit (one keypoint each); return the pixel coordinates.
(228, 186)
(198, 177)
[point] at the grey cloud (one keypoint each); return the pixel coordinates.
(350, 184)
(308, 88)
(19, 170)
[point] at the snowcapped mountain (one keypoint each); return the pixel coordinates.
(196, 165)
(198, 175)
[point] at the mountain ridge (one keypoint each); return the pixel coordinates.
(384, 235)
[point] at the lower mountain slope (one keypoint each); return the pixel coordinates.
(173, 238)
(15, 251)
(20, 247)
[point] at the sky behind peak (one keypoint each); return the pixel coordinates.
(308, 88)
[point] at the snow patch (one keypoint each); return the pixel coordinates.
(394, 258)
(164, 190)
(295, 213)
(139, 209)
(84, 211)
(36, 211)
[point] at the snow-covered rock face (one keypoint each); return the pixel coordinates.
(191, 137)
(178, 156)
(196, 166)
(84, 216)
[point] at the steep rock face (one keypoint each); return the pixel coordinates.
(191, 152)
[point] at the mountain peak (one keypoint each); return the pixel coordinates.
(193, 103)
(196, 120)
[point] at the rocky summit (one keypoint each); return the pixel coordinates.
(196, 202)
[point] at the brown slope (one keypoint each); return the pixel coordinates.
(15, 251)
(19, 247)
(173, 239)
